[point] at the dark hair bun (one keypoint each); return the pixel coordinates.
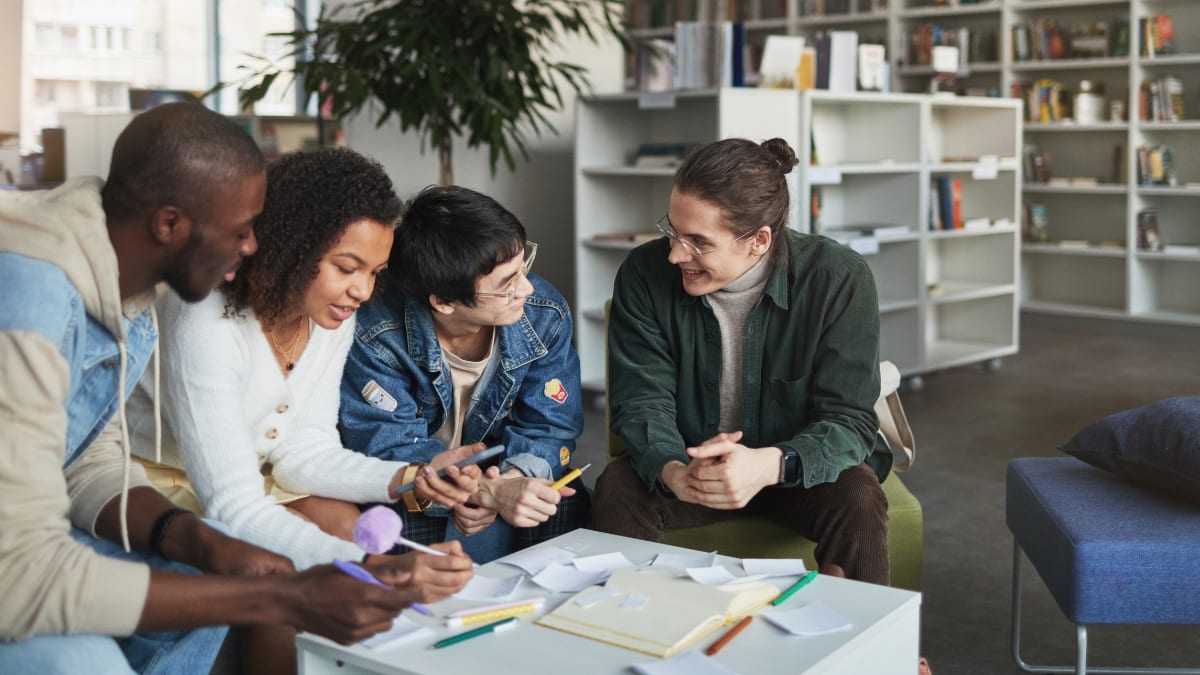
(782, 152)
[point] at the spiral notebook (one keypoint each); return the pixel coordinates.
(655, 610)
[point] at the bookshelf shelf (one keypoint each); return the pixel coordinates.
(815, 21)
(950, 11)
(1069, 64)
(1186, 125)
(1162, 255)
(1051, 248)
(1169, 191)
(1037, 188)
(1071, 126)
(1170, 60)
(1045, 5)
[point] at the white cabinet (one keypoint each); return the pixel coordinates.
(946, 297)
(614, 198)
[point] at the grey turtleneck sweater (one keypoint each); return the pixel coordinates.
(731, 305)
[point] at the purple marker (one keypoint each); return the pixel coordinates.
(359, 572)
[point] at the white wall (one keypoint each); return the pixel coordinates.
(540, 192)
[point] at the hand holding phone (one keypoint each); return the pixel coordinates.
(494, 451)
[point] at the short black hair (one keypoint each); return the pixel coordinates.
(450, 237)
(312, 197)
(176, 154)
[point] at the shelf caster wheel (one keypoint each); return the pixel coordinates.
(991, 365)
(914, 384)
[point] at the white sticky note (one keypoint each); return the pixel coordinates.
(534, 560)
(815, 618)
(489, 588)
(686, 560)
(987, 168)
(711, 576)
(604, 564)
(774, 567)
(598, 596)
(634, 601)
(562, 578)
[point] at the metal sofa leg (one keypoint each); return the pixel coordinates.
(1081, 641)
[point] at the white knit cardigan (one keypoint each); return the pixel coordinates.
(229, 411)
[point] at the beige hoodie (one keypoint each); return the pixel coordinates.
(51, 584)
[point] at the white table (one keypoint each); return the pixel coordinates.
(883, 640)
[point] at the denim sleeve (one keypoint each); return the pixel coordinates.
(399, 434)
(547, 415)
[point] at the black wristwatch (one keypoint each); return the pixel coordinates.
(789, 467)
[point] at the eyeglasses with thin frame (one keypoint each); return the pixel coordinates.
(530, 254)
(664, 225)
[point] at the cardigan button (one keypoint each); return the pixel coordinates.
(281, 408)
(272, 433)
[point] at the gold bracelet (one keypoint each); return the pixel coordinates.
(411, 502)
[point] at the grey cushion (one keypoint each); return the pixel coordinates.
(1156, 445)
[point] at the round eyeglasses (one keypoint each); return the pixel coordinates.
(664, 225)
(530, 254)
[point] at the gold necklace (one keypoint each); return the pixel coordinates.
(289, 354)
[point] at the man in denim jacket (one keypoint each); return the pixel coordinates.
(464, 346)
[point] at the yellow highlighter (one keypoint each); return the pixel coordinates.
(493, 613)
(569, 476)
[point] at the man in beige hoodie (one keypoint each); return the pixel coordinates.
(98, 569)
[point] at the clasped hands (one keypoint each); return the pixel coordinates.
(722, 473)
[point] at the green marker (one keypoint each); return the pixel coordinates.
(795, 587)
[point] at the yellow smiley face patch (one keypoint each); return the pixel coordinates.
(564, 456)
(555, 391)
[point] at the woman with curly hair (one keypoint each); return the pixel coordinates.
(251, 376)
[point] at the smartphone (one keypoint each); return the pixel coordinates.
(477, 458)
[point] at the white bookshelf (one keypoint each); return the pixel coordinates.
(1120, 283)
(877, 155)
(947, 297)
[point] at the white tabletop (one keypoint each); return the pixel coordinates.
(883, 638)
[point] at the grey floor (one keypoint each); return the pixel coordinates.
(968, 423)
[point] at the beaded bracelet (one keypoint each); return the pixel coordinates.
(159, 530)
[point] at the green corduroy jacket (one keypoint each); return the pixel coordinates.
(810, 367)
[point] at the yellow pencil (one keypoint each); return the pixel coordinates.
(570, 476)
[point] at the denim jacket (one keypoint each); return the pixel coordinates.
(66, 337)
(528, 398)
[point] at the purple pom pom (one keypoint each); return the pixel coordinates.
(377, 529)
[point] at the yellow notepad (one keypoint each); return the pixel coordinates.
(678, 610)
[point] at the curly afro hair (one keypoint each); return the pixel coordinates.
(312, 197)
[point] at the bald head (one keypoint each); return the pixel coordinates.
(176, 154)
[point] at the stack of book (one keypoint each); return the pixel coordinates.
(1161, 100)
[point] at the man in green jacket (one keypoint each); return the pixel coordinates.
(743, 369)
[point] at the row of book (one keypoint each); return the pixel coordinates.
(1161, 99)
(974, 46)
(1156, 165)
(1045, 39)
(704, 55)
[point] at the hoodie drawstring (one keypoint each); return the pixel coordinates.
(125, 426)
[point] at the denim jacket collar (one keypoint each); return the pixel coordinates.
(518, 343)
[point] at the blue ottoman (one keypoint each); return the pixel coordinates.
(1109, 551)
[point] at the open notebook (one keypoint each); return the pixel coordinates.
(677, 610)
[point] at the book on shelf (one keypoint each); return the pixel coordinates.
(1036, 225)
(1147, 230)
(872, 67)
(837, 56)
(655, 65)
(661, 154)
(780, 61)
(675, 613)
(1161, 99)
(1156, 166)
(1157, 33)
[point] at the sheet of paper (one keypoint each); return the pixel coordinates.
(686, 560)
(562, 578)
(634, 601)
(402, 630)
(691, 662)
(534, 560)
(598, 597)
(604, 564)
(774, 567)
(815, 618)
(490, 588)
(711, 576)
